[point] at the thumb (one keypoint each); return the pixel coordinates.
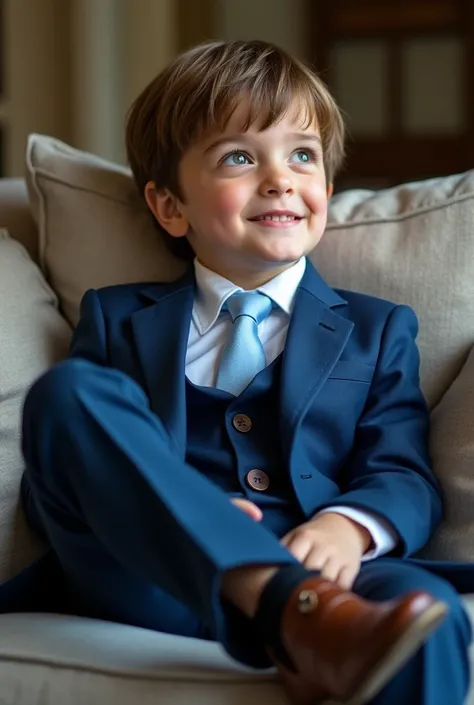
(248, 507)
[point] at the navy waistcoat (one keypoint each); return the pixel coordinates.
(226, 455)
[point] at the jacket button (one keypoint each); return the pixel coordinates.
(242, 423)
(258, 480)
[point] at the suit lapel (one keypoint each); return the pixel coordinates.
(317, 335)
(316, 338)
(161, 333)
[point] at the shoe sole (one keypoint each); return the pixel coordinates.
(396, 658)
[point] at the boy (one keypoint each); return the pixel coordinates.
(232, 456)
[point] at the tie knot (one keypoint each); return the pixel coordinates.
(249, 303)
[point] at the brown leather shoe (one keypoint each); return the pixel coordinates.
(344, 648)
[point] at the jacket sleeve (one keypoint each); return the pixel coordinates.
(389, 471)
(89, 338)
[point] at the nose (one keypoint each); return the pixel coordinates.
(276, 182)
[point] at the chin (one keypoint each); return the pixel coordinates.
(280, 258)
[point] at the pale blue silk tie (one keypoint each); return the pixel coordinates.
(243, 355)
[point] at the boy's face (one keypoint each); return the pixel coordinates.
(254, 202)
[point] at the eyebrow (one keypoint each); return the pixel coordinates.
(306, 136)
(241, 135)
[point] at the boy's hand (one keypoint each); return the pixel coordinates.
(331, 543)
(248, 507)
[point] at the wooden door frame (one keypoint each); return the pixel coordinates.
(366, 158)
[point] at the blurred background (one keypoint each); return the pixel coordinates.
(402, 71)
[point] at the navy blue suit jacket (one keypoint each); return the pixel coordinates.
(353, 421)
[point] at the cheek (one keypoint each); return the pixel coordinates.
(229, 200)
(316, 198)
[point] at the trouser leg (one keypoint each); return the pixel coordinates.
(123, 513)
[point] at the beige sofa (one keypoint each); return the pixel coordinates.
(81, 225)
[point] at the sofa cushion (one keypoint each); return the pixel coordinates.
(33, 337)
(411, 244)
(60, 660)
(93, 229)
(452, 450)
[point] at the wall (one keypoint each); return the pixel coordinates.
(118, 46)
(73, 67)
(35, 75)
(150, 41)
(279, 21)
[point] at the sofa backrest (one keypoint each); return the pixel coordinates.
(16, 215)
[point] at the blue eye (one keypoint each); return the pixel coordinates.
(303, 156)
(236, 159)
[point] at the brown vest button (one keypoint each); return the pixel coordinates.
(242, 423)
(258, 480)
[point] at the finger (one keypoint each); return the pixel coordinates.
(301, 546)
(248, 507)
(331, 569)
(287, 538)
(316, 558)
(346, 577)
(298, 547)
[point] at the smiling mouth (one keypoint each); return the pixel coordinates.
(276, 218)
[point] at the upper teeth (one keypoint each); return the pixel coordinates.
(276, 217)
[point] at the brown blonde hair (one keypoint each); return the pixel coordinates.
(198, 92)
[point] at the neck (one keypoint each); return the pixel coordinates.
(248, 280)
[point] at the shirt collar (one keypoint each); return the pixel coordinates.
(213, 290)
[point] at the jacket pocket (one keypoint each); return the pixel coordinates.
(352, 370)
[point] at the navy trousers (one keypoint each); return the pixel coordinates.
(143, 538)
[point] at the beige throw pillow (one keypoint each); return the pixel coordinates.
(93, 229)
(411, 244)
(33, 336)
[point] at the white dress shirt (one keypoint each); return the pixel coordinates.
(209, 331)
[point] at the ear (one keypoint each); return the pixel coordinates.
(165, 206)
(330, 190)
